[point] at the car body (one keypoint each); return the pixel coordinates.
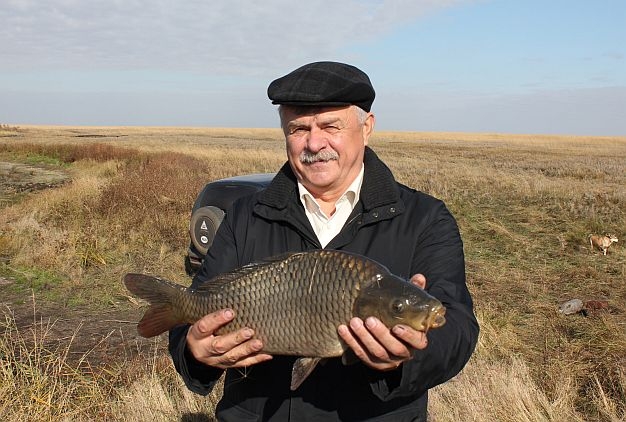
(209, 210)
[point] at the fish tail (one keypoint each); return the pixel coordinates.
(161, 315)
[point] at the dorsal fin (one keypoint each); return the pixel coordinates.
(217, 282)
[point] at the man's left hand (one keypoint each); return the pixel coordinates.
(380, 347)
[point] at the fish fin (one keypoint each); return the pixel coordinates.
(160, 316)
(302, 368)
(349, 357)
(282, 257)
(216, 283)
(157, 320)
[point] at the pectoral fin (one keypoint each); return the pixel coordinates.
(349, 357)
(302, 368)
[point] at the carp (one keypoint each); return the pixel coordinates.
(293, 302)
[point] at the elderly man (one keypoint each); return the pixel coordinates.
(335, 193)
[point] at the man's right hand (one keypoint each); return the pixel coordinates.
(232, 350)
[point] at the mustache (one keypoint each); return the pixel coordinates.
(308, 157)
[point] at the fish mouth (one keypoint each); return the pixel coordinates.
(436, 318)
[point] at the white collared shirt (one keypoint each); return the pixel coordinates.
(325, 227)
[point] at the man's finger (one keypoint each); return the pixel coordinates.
(245, 354)
(210, 323)
(375, 355)
(249, 361)
(415, 339)
(351, 341)
(390, 344)
(419, 280)
(367, 333)
(222, 344)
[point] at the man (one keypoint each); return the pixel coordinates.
(334, 193)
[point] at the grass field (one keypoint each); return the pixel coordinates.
(100, 202)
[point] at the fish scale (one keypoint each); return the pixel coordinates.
(298, 300)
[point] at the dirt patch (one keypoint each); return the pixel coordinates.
(94, 338)
(19, 178)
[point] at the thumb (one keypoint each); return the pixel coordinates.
(419, 280)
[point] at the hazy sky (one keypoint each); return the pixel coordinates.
(523, 66)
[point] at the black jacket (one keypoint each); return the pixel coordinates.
(407, 231)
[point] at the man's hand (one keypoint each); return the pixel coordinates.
(232, 350)
(380, 347)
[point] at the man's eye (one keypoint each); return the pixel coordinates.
(297, 130)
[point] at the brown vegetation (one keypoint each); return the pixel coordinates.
(525, 205)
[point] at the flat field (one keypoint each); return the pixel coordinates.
(81, 206)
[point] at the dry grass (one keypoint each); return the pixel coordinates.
(525, 205)
(38, 382)
(500, 386)
(41, 381)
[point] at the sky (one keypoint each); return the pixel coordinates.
(496, 66)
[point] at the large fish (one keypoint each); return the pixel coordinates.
(293, 302)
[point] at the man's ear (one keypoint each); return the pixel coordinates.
(368, 127)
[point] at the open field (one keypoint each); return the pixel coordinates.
(80, 207)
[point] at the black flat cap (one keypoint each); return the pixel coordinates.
(323, 84)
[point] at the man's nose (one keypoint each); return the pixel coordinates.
(317, 140)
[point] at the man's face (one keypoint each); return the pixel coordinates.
(325, 146)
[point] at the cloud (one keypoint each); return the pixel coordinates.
(221, 36)
(615, 55)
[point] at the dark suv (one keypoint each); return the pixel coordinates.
(209, 210)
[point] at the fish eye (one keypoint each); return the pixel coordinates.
(397, 306)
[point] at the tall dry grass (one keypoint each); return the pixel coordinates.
(42, 381)
(500, 385)
(524, 203)
(37, 381)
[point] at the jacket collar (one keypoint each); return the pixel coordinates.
(379, 186)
